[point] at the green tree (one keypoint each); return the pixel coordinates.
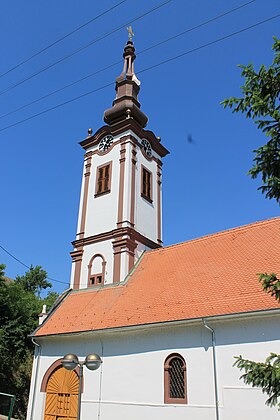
(2, 271)
(20, 305)
(34, 280)
(260, 102)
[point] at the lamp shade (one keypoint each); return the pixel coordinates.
(93, 361)
(70, 361)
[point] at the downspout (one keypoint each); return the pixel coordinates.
(37, 355)
(100, 380)
(214, 367)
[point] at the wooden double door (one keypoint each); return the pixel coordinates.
(62, 395)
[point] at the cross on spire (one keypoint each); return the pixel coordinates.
(130, 32)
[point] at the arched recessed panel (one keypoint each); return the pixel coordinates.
(96, 270)
(97, 264)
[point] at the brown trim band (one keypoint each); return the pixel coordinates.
(117, 268)
(121, 184)
(123, 245)
(85, 196)
(132, 192)
(77, 257)
(112, 234)
(159, 233)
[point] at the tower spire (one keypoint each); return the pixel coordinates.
(126, 104)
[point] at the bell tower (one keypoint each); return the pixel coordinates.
(120, 203)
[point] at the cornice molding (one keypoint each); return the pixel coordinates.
(96, 137)
(115, 234)
(121, 127)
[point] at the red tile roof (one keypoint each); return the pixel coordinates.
(209, 276)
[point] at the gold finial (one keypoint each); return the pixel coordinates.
(130, 32)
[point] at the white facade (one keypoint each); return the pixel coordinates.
(130, 383)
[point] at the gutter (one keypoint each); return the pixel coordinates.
(214, 367)
(38, 350)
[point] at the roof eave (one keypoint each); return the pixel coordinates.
(189, 321)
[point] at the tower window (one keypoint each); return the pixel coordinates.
(96, 270)
(175, 380)
(103, 179)
(146, 184)
(96, 280)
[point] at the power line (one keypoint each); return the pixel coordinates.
(141, 71)
(27, 266)
(119, 62)
(11, 255)
(62, 38)
(100, 38)
(197, 26)
(60, 89)
(209, 43)
(58, 106)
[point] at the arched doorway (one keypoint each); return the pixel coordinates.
(62, 395)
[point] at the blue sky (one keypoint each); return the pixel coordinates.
(205, 186)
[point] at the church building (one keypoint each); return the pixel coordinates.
(166, 322)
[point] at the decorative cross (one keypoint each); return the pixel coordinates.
(130, 33)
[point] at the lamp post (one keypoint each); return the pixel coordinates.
(71, 361)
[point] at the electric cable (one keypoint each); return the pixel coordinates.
(100, 38)
(60, 89)
(209, 43)
(27, 266)
(62, 38)
(141, 71)
(120, 61)
(197, 26)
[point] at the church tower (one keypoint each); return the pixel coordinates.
(120, 204)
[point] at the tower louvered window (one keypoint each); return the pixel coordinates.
(103, 179)
(146, 184)
(175, 383)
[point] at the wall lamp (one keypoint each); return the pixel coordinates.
(70, 362)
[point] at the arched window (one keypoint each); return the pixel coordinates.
(175, 380)
(96, 270)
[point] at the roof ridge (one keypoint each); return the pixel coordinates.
(217, 234)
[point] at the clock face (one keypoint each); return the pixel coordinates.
(105, 143)
(147, 147)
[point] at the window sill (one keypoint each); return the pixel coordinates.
(102, 193)
(147, 198)
(176, 401)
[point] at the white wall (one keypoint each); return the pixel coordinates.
(146, 212)
(102, 211)
(131, 378)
